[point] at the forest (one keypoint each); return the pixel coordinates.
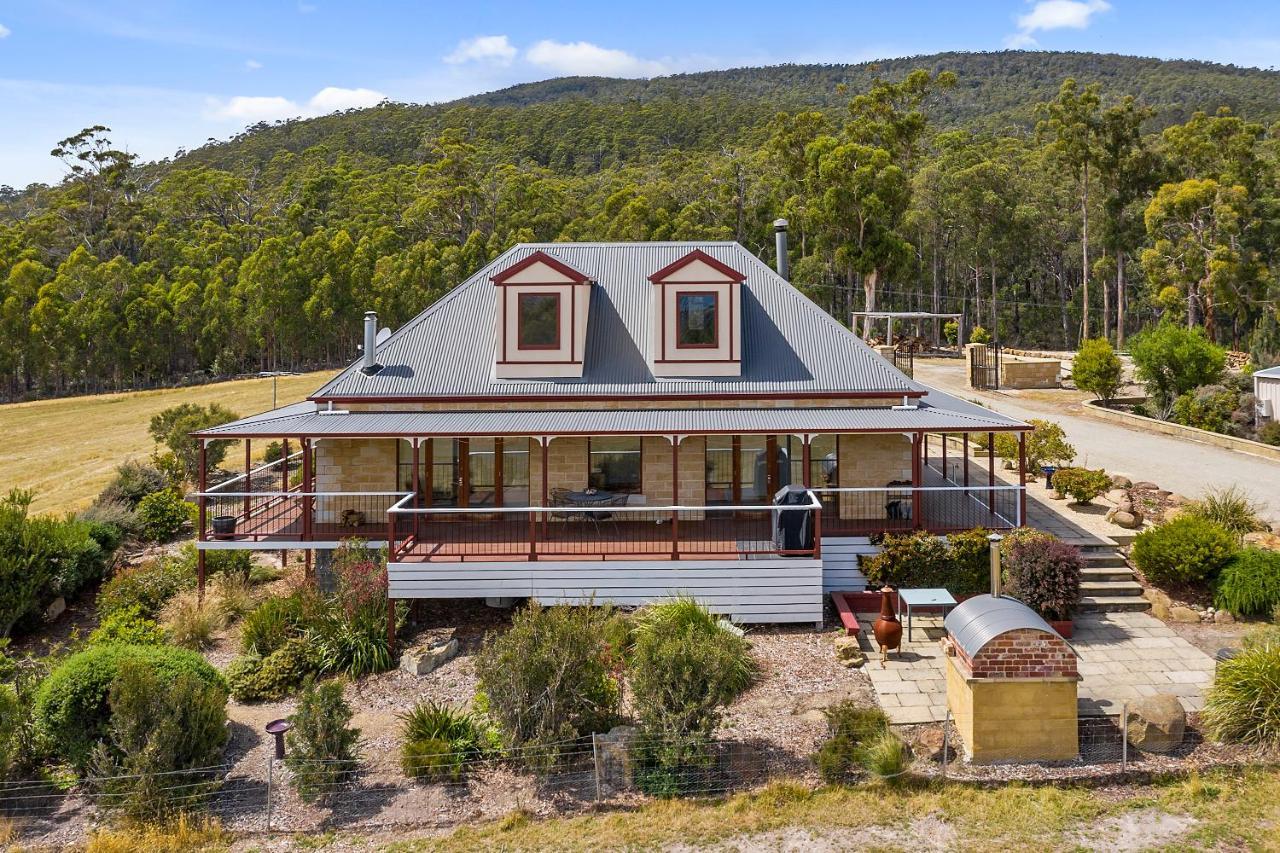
(1052, 198)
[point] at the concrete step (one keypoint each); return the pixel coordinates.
(1113, 604)
(1103, 558)
(1109, 588)
(1106, 573)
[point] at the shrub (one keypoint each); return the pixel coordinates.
(684, 667)
(979, 335)
(885, 757)
(254, 678)
(273, 453)
(190, 622)
(1243, 704)
(269, 625)
(148, 587)
(1097, 369)
(951, 331)
(1172, 360)
(920, 559)
(77, 558)
(1269, 433)
(1185, 550)
(1082, 484)
(71, 706)
(1230, 507)
(159, 727)
(438, 741)
(128, 626)
(10, 725)
(548, 678)
(350, 630)
(172, 428)
(28, 551)
(109, 535)
(1209, 407)
(851, 727)
(1044, 574)
(232, 595)
(1046, 445)
(163, 515)
(132, 482)
(322, 744)
(1249, 585)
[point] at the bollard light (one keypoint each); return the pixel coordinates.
(277, 728)
(995, 539)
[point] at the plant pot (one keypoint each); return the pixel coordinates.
(1063, 626)
(224, 526)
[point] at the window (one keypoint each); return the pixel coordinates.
(696, 320)
(538, 321)
(614, 464)
(515, 471)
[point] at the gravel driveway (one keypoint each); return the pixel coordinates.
(1180, 465)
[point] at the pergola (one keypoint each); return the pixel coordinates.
(866, 317)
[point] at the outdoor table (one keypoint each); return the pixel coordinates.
(924, 598)
(589, 498)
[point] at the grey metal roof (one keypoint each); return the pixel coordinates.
(604, 422)
(1269, 373)
(979, 620)
(789, 344)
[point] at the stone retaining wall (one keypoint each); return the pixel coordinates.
(1228, 442)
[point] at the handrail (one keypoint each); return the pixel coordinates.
(252, 471)
(976, 487)
(397, 508)
(295, 494)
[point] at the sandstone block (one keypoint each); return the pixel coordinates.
(421, 660)
(1156, 723)
(1180, 613)
(615, 751)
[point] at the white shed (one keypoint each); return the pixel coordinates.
(1266, 387)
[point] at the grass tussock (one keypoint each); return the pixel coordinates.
(181, 835)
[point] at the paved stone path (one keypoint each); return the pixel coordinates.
(1123, 657)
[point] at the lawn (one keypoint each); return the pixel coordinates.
(66, 449)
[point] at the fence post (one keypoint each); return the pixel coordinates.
(595, 764)
(1124, 736)
(271, 763)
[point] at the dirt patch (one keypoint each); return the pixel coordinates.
(1210, 637)
(927, 832)
(1145, 829)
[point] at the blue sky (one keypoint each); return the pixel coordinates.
(165, 75)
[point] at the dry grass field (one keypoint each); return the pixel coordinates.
(66, 449)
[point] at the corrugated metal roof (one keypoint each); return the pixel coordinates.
(979, 620)
(1269, 373)
(604, 422)
(789, 344)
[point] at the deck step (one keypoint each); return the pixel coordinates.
(1103, 558)
(1110, 588)
(1113, 604)
(1106, 573)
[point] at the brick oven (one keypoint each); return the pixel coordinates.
(1011, 682)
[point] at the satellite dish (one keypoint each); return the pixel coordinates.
(383, 334)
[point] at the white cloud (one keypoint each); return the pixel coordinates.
(252, 64)
(4, 31)
(307, 8)
(495, 49)
(585, 58)
(1048, 15)
(255, 108)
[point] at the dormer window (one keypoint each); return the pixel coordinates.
(697, 318)
(541, 306)
(538, 323)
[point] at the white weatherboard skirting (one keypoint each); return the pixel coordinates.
(769, 590)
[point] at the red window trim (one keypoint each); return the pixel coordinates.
(696, 255)
(715, 342)
(541, 257)
(520, 344)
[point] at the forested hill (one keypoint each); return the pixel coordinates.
(553, 121)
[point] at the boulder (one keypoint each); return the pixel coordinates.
(1263, 540)
(1223, 617)
(1145, 484)
(928, 742)
(1179, 613)
(1163, 493)
(1121, 481)
(847, 648)
(615, 752)
(1117, 496)
(1161, 604)
(1156, 723)
(1175, 499)
(420, 660)
(1127, 520)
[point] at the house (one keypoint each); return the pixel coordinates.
(1266, 390)
(612, 421)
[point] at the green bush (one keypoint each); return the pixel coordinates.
(132, 482)
(71, 706)
(41, 557)
(105, 525)
(1208, 407)
(191, 622)
(549, 678)
(159, 727)
(1044, 574)
(1171, 360)
(1187, 550)
(1046, 445)
(1243, 704)
(148, 587)
(1081, 484)
(254, 678)
(850, 729)
(322, 744)
(272, 623)
(1097, 369)
(951, 331)
(921, 559)
(172, 428)
(128, 626)
(684, 667)
(438, 740)
(1269, 433)
(350, 630)
(164, 515)
(1249, 585)
(1230, 507)
(979, 335)
(10, 725)
(78, 560)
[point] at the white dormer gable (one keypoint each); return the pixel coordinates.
(697, 318)
(541, 323)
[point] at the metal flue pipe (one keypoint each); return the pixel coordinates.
(994, 539)
(370, 342)
(780, 239)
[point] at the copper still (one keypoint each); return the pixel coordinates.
(887, 628)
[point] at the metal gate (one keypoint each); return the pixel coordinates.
(984, 368)
(904, 358)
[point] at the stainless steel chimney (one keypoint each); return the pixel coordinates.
(780, 239)
(994, 542)
(370, 342)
